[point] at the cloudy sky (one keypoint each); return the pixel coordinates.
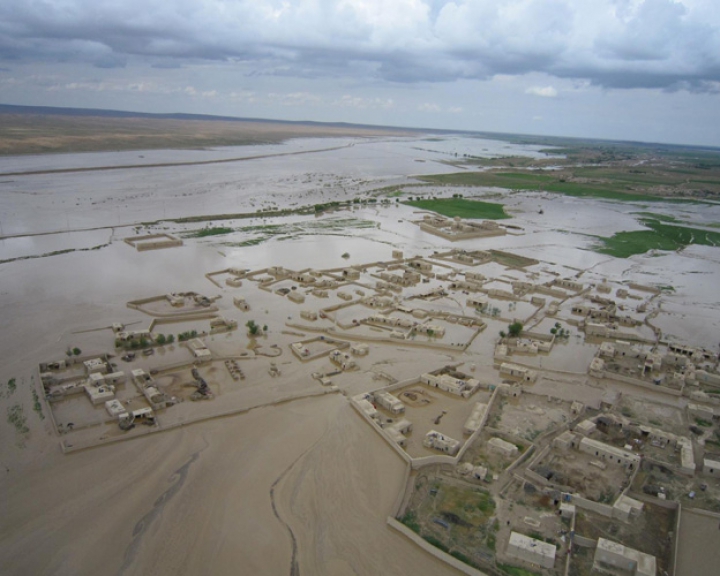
(622, 69)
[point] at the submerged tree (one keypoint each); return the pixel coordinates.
(515, 329)
(252, 327)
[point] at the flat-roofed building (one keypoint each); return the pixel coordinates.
(607, 452)
(389, 402)
(438, 441)
(621, 557)
(531, 550)
(501, 446)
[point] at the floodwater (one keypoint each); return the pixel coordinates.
(93, 211)
(335, 480)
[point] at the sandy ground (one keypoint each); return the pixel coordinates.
(197, 501)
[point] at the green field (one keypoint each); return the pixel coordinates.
(606, 188)
(462, 207)
(660, 236)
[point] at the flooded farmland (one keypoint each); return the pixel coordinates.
(299, 483)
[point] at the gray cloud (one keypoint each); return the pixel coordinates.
(668, 44)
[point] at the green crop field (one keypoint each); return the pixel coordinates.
(462, 207)
(660, 236)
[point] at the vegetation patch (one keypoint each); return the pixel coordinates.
(656, 216)
(515, 571)
(264, 232)
(602, 186)
(462, 207)
(16, 417)
(37, 406)
(214, 231)
(660, 236)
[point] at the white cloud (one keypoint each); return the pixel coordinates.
(615, 43)
(347, 101)
(544, 91)
(428, 107)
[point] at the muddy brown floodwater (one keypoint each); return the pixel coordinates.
(300, 487)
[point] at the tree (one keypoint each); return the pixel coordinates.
(77, 351)
(170, 339)
(515, 329)
(502, 334)
(161, 339)
(253, 328)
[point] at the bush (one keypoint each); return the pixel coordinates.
(411, 522)
(515, 329)
(435, 542)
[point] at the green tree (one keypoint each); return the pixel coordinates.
(515, 329)
(170, 339)
(252, 327)
(161, 339)
(77, 351)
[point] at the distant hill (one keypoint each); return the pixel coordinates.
(101, 113)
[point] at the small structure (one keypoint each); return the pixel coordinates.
(711, 467)
(438, 441)
(153, 241)
(200, 352)
(398, 430)
(94, 365)
(115, 408)
(505, 448)
(366, 407)
(517, 371)
(359, 349)
(623, 457)
(100, 394)
(458, 386)
(565, 441)
(342, 360)
(297, 297)
(309, 315)
(586, 427)
(615, 555)
(391, 403)
(240, 302)
(531, 550)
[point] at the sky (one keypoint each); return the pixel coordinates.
(645, 70)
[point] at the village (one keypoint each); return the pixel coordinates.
(546, 423)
